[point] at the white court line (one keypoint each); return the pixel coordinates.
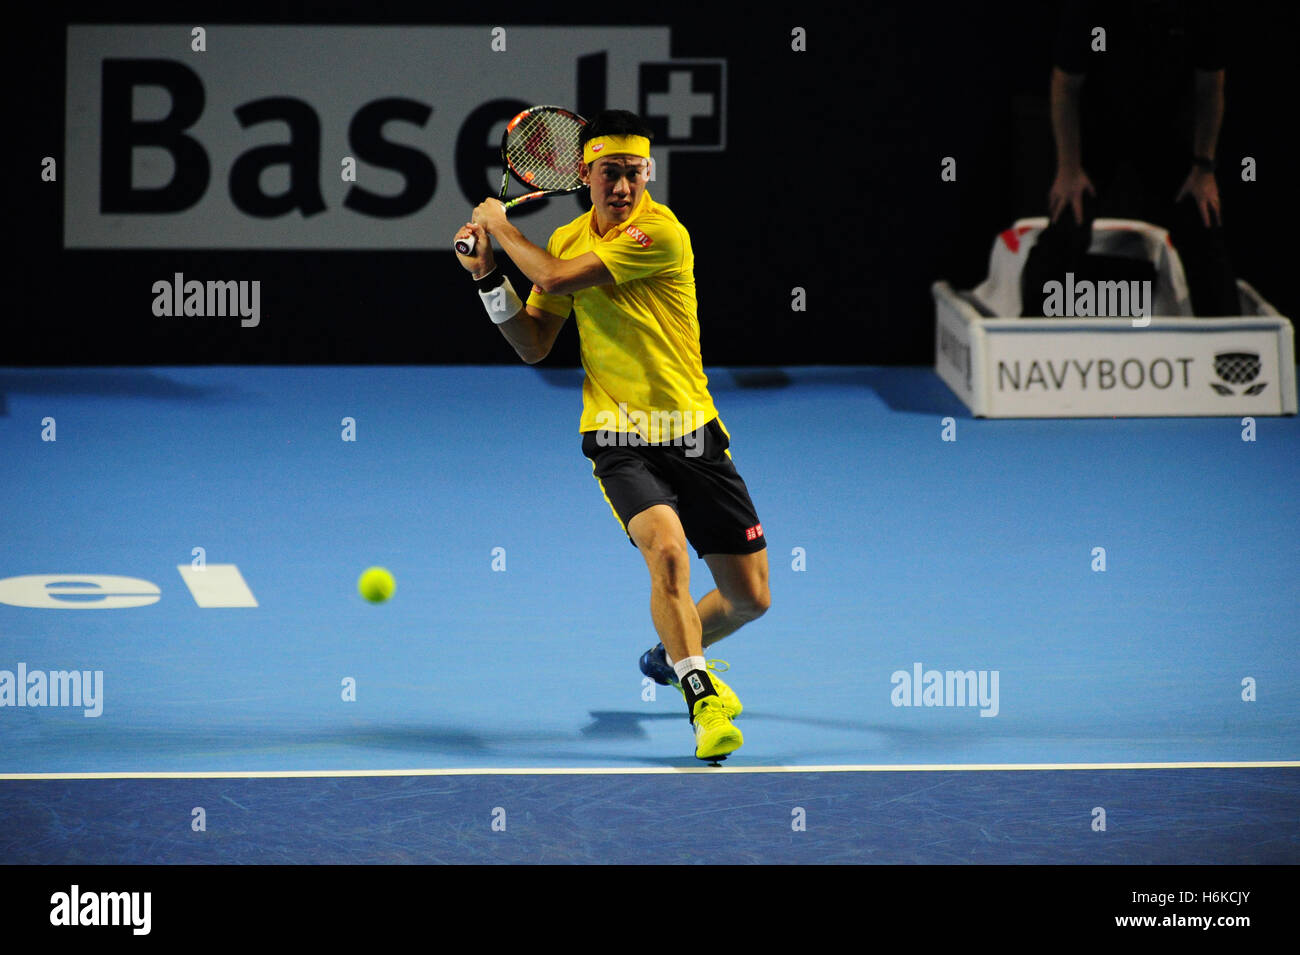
(662, 770)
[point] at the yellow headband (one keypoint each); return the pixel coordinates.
(593, 149)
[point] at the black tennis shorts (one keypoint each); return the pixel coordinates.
(695, 477)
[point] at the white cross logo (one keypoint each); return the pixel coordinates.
(680, 104)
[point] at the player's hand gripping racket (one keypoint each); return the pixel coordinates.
(541, 148)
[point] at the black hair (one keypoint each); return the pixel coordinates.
(614, 122)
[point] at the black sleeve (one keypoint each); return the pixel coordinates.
(1073, 42)
(1207, 32)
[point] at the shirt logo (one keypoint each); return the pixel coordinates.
(637, 236)
(754, 533)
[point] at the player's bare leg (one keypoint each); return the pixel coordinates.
(658, 534)
(741, 596)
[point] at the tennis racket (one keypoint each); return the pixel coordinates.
(540, 147)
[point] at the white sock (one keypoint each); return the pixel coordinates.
(667, 657)
(683, 667)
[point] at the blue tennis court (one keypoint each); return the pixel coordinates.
(946, 674)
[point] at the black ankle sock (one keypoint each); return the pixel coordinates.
(696, 684)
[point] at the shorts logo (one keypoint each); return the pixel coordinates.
(754, 533)
(637, 236)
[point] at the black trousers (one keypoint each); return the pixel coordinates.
(1137, 178)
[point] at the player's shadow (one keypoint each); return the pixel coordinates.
(884, 740)
(627, 724)
(620, 724)
(566, 379)
(906, 389)
(417, 739)
(101, 384)
(225, 740)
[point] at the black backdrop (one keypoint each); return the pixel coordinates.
(830, 182)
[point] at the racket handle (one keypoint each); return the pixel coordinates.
(466, 246)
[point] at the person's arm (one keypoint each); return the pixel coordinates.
(1209, 111)
(531, 332)
(1071, 181)
(550, 274)
(1200, 183)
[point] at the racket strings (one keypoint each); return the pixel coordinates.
(543, 150)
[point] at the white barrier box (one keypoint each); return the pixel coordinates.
(1154, 365)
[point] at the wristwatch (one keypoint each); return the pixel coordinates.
(1203, 162)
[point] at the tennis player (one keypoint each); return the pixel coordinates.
(658, 449)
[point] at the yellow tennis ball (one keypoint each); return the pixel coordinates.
(376, 585)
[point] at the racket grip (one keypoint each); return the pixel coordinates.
(465, 246)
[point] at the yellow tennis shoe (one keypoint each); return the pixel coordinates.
(715, 734)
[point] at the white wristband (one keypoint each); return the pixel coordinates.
(502, 303)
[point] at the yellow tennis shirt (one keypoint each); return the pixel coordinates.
(640, 336)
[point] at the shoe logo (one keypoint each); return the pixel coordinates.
(696, 685)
